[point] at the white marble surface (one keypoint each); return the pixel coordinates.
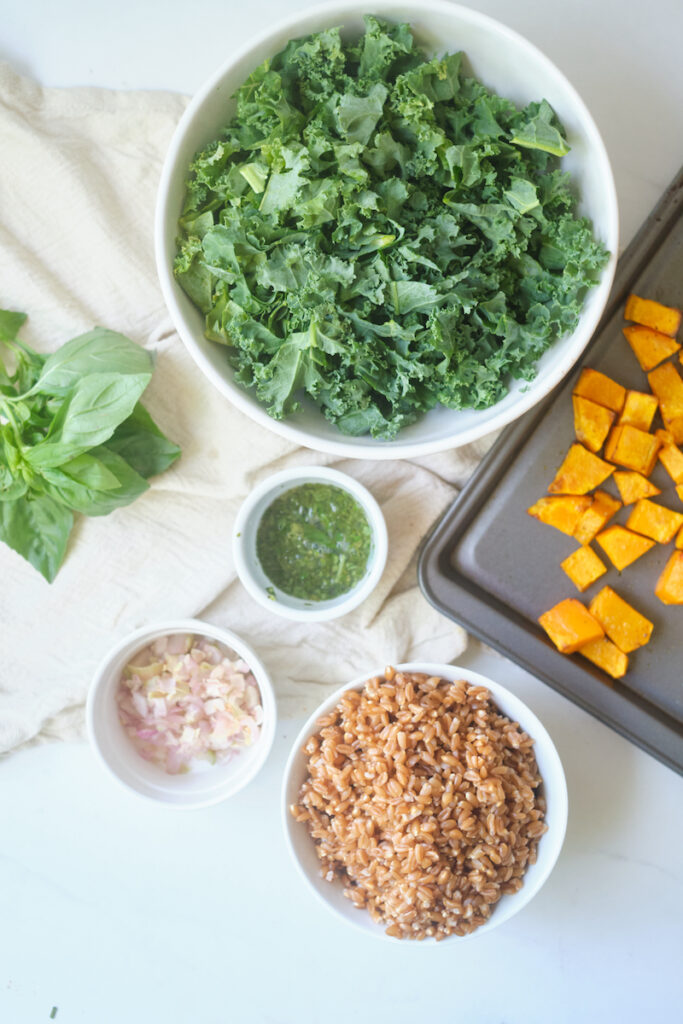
(113, 910)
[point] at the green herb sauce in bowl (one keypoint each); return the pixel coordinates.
(310, 543)
(314, 542)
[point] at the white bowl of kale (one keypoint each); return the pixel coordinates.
(386, 236)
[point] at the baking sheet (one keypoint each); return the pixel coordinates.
(494, 569)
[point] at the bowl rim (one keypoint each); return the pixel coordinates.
(548, 855)
(233, 641)
(324, 611)
(388, 450)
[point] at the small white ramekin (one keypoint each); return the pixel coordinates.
(203, 786)
(249, 568)
(554, 789)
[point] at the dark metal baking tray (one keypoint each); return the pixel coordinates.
(494, 569)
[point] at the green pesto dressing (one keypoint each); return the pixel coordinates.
(314, 541)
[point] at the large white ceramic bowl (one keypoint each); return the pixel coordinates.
(208, 784)
(504, 61)
(554, 789)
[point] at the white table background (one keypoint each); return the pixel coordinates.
(118, 911)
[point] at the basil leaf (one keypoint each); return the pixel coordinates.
(98, 404)
(11, 487)
(5, 380)
(37, 528)
(28, 362)
(10, 324)
(16, 489)
(21, 411)
(9, 453)
(91, 472)
(29, 365)
(89, 500)
(142, 444)
(52, 457)
(99, 351)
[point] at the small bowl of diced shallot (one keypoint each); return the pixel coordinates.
(182, 712)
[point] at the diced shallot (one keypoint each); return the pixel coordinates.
(183, 700)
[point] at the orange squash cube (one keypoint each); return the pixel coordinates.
(639, 410)
(583, 567)
(580, 472)
(652, 314)
(649, 347)
(596, 516)
(664, 437)
(562, 512)
(671, 458)
(666, 384)
(679, 535)
(632, 448)
(592, 422)
(601, 389)
(632, 486)
(612, 442)
(674, 428)
(570, 625)
(669, 586)
(607, 656)
(655, 521)
(623, 547)
(626, 627)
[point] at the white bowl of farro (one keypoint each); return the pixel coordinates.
(423, 802)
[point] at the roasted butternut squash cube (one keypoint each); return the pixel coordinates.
(666, 384)
(601, 389)
(612, 442)
(607, 656)
(632, 486)
(596, 516)
(570, 625)
(592, 422)
(632, 448)
(562, 512)
(626, 627)
(669, 586)
(671, 458)
(583, 567)
(652, 314)
(679, 491)
(655, 521)
(679, 535)
(674, 428)
(580, 472)
(649, 347)
(664, 437)
(622, 546)
(639, 410)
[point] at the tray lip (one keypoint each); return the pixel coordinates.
(471, 601)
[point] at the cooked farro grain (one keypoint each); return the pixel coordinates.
(420, 797)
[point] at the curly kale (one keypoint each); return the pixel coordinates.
(382, 233)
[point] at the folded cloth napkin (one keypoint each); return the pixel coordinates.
(79, 170)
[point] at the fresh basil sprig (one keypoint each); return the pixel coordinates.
(73, 437)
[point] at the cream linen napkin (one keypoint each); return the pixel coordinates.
(78, 176)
